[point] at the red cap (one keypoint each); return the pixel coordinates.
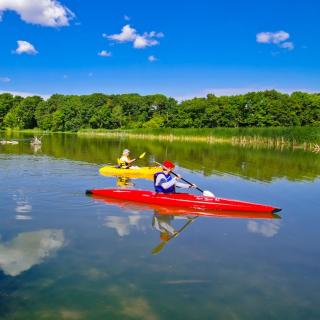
(168, 164)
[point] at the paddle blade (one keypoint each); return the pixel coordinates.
(208, 193)
(159, 247)
(142, 155)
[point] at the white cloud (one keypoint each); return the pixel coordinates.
(5, 79)
(127, 34)
(140, 41)
(154, 34)
(147, 39)
(277, 38)
(104, 53)
(43, 12)
(26, 94)
(272, 37)
(126, 18)
(287, 45)
(152, 58)
(25, 47)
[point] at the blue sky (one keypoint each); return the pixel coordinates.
(178, 48)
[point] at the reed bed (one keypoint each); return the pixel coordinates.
(306, 138)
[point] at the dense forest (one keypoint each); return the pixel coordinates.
(74, 112)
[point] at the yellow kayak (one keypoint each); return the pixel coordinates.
(133, 172)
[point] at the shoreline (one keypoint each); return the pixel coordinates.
(305, 138)
(277, 142)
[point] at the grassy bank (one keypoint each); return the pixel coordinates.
(307, 138)
(296, 137)
(28, 131)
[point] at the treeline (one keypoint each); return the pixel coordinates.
(128, 111)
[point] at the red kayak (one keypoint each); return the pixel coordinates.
(135, 207)
(182, 200)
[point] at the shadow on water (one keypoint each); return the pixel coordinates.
(258, 164)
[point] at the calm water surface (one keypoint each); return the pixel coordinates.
(64, 255)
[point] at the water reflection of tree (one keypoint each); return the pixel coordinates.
(258, 164)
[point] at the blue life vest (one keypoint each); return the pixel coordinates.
(159, 188)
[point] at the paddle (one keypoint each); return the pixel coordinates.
(162, 244)
(206, 193)
(140, 157)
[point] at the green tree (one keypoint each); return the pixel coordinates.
(22, 116)
(45, 111)
(7, 102)
(157, 121)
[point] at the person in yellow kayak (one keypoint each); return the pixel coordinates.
(165, 183)
(125, 161)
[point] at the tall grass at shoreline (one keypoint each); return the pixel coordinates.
(307, 138)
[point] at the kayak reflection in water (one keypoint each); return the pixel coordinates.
(162, 223)
(165, 183)
(124, 182)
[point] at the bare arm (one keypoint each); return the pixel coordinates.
(126, 159)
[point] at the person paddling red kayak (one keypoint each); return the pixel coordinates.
(165, 183)
(168, 167)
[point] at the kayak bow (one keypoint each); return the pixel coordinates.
(182, 200)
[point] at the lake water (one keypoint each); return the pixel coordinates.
(64, 255)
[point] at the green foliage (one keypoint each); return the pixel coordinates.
(156, 121)
(10, 120)
(45, 111)
(102, 118)
(22, 116)
(133, 111)
(7, 102)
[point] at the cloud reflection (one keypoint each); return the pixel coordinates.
(22, 206)
(29, 249)
(132, 304)
(266, 228)
(124, 225)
